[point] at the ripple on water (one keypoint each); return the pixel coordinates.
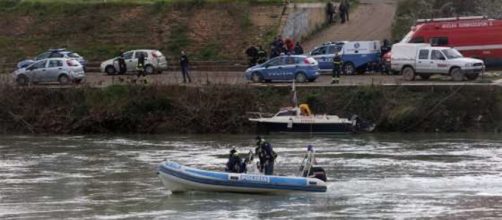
(370, 177)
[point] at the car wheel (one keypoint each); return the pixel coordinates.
(22, 80)
(472, 76)
(408, 74)
(63, 80)
(425, 76)
(149, 69)
(257, 77)
(300, 78)
(349, 68)
(110, 70)
(457, 75)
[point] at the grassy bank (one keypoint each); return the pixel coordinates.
(208, 30)
(222, 109)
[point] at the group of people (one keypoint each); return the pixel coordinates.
(343, 11)
(288, 46)
(257, 55)
(263, 150)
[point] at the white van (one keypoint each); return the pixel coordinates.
(424, 60)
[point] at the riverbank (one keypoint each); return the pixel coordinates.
(221, 109)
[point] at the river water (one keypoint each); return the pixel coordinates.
(373, 176)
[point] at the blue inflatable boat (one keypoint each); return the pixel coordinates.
(179, 178)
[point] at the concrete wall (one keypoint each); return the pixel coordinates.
(303, 19)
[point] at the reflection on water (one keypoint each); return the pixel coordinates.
(380, 176)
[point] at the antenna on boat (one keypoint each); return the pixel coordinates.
(294, 99)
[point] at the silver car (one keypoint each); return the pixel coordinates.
(62, 70)
(155, 62)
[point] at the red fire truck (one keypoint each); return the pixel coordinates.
(477, 37)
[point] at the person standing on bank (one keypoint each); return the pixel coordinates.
(184, 67)
(141, 65)
(298, 48)
(337, 68)
(342, 10)
(122, 64)
(330, 12)
(262, 55)
(347, 9)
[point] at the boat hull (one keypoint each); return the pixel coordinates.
(178, 178)
(307, 127)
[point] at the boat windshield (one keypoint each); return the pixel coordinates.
(452, 53)
(287, 113)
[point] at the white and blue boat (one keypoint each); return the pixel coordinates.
(179, 178)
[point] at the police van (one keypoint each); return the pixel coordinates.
(356, 55)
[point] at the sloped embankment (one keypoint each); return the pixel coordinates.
(98, 30)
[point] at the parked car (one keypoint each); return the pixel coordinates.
(155, 62)
(53, 53)
(287, 67)
(424, 60)
(62, 70)
(356, 55)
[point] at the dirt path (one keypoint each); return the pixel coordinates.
(372, 20)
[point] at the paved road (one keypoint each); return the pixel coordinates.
(371, 20)
(237, 78)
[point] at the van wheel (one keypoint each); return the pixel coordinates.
(63, 80)
(425, 76)
(349, 68)
(149, 69)
(256, 77)
(408, 74)
(22, 80)
(472, 76)
(110, 70)
(300, 78)
(457, 75)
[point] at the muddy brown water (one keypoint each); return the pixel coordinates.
(370, 176)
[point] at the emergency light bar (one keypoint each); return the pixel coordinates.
(451, 19)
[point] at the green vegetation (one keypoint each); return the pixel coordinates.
(97, 29)
(179, 39)
(222, 109)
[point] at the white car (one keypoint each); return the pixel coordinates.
(424, 60)
(62, 70)
(155, 62)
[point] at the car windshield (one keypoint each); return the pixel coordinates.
(452, 53)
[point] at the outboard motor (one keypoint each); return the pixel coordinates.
(360, 124)
(319, 173)
(307, 168)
